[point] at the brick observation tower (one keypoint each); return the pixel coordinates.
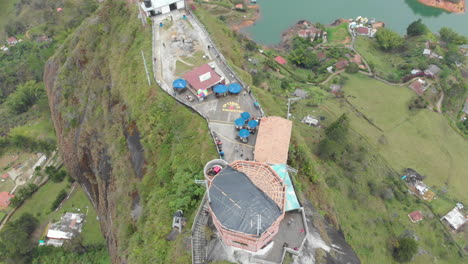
(246, 202)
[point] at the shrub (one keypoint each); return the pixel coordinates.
(416, 28)
(25, 96)
(388, 40)
(404, 249)
(62, 194)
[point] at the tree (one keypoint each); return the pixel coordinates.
(15, 243)
(388, 40)
(451, 37)
(25, 96)
(416, 28)
(352, 68)
(404, 249)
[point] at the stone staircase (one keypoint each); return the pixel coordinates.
(198, 235)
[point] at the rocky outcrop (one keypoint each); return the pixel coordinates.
(446, 5)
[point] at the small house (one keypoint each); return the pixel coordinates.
(4, 48)
(12, 41)
(280, 60)
(310, 120)
(341, 64)
(239, 6)
(415, 216)
(455, 218)
(203, 78)
(415, 71)
(432, 70)
(465, 106)
(421, 187)
(426, 52)
(419, 86)
(156, 7)
(335, 88)
(300, 93)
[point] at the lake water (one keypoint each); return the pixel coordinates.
(278, 15)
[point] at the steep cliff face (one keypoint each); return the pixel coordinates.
(133, 149)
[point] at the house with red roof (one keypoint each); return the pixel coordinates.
(415, 216)
(321, 56)
(280, 60)
(12, 41)
(341, 64)
(419, 86)
(203, 78)
(5, 199)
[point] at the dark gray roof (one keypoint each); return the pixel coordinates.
(300, 93)
(236, 202)
(432, 70)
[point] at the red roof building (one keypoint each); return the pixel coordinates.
(280, 60)
(362, 31)
(5, 175)
(203, 77)
(12, 41)
(418, 86)
(321, 55)
(239, 6)
(341, 64)
(303, 33)
(415, 216)
(5, 199)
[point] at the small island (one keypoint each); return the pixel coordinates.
(454, 6)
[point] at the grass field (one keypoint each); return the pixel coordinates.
(39, 204)
(385, 64)
(421, 139)
(338, 35)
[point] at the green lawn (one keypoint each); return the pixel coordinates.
(338, 34)
(385, 64)
(7, 185)
(39, 204)
(421, 139)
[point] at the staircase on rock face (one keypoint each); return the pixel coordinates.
(198, 235)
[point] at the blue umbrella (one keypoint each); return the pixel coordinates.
(235, 88)
(245, 115)
(244, 133)
(179, 84)
(252, 123)
(239, 121)
(220, 88)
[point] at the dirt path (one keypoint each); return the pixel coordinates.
(439, 103)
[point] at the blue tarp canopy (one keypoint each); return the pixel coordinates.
(244, 133)
(245, 115)
(220, 88)
(235, 88)
(253, 123)
(291, 199)
(239, 121)
(179, 84)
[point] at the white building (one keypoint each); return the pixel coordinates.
(157, 7)
(455, 218)
(70, 224)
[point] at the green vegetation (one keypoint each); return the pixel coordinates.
(22, 194)
(39, 203)
(452, 37)
(416, 28)
(60, 196)
(15, 245)
(25, 96)
(55, 174)
(404, 249)
(388, 40)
